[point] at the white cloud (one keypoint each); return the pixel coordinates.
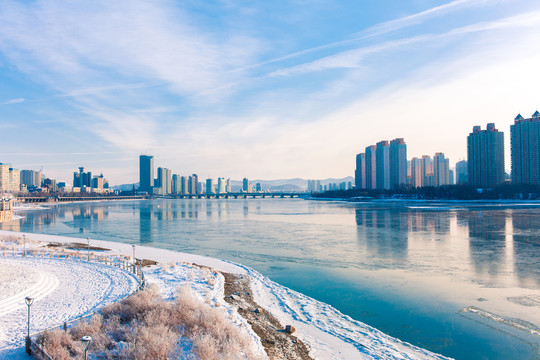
(353, 58)
(417, 18)
(13, 101)
(136, 39)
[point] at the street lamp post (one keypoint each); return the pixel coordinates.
(86, 340)
(134, 260)
(28, 300)
(24, 245)
(88, 248)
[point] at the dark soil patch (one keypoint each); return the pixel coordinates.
(277, 343)
(146, 262)
(76, 246)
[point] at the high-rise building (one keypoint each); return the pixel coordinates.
(4, 177)
(462, 172)
(360, 172)
(452, 182)
(193, 185)
(371, 167)
(441, 170)
(427, 171)
(417, 175)
(196, 185)
(485, 156)
(525, 149)
(176, 185)
(51, 185)
(14, 180)
(221, 185)
(146, 173)
(209, 186)
(98, 182)
(229, 187)
(167, 181)
(398, 163)
(383, 165)
(184, 188)
(158, 183)
(31, 178)
(245, 185)
(82, 179)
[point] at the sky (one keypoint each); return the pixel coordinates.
(266, 90)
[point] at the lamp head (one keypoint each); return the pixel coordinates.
(28, 300)
(86, 340)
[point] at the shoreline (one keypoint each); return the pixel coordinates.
(429, 201)
(328, 333)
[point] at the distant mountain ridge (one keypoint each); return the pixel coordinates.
(295, 184)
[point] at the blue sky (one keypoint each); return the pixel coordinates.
(268, 90)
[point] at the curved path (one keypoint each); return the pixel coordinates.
(46, 283)
(63, 290)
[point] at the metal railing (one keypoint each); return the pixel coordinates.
(32, 346)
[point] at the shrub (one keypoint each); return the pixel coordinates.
(144, 326)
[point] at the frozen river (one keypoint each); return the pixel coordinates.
(462, 279)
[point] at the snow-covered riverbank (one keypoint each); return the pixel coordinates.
(328, 333)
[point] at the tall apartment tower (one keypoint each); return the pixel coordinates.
(184, 189)
(427, 171)
(417, 174)
(146, 173)
(383, 165)
(31, 178)
(210, 187)
(175, 184)
(441, 170)
(245, 185)
(525, 149)
(398, 163)
(462, 172)
(371, 167)
(221, 185)
(360, 172)
(485, 156)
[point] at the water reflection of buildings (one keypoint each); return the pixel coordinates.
(391, 233)
(487, 239)
(383, 232)
(526, 246)
(154, 216)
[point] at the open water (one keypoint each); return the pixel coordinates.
(408, 269)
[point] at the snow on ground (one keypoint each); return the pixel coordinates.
(63, 289)
(329, 333)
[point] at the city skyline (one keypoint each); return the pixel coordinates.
(282, 90)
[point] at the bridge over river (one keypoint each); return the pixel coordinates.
(235, 195)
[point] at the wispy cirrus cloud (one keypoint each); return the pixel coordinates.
(383, 28)
(353, 58)
(13, 101)
(136, 39)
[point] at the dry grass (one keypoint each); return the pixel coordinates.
(144, 326)
(10, 241)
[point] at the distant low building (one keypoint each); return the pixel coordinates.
(462, 173)
(6, 209)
